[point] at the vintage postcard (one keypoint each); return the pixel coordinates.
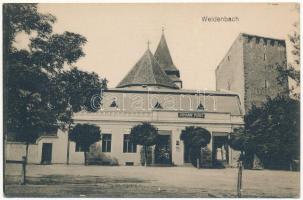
(161, 100)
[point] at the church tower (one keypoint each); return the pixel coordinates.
(147, 73)
(157, 71)
(163, 56)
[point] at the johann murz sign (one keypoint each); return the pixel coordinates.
(191, 115)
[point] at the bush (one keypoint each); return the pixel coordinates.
(96, 157)
(206, 158)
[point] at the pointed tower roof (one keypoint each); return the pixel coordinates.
(147, 72)
(162, 55)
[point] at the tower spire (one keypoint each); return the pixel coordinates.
(163, 56)
(148, 43)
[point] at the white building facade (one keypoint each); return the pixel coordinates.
(151, 92)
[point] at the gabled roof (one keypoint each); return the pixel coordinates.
(147, 71)
(162, 55)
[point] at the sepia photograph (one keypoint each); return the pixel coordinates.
(151, 100)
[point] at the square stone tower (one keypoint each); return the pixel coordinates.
(249, 68)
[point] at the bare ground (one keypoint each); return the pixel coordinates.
(137, 181)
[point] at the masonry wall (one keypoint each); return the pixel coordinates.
(230, 71)
(16, 150)
(249, 69)
(117, 123)
(261, 56)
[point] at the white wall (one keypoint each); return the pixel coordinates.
(16, 150)
(118, 127)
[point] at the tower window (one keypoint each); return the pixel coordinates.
(228, 58)
(264, 57)
(228, 85)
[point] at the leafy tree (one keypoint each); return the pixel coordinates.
(238, 140)
(53, 52)
(39, 95)
(24, 17)
(144, 134)
(78, 87)
(274, 131)
(85, 135)
(187, 134)
(73, 90)
(195, 138)
(292, 69)
(26, 113)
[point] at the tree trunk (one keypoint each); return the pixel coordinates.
(85, 159)
(23, 180)
(25, 163)
(201, 157)
(290, 166)
(239, 184)
(241, 155)
(145, 155)
(67, 154)
(26, 152)
(68, 145)
(198, 159)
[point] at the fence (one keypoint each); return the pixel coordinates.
(23, 170)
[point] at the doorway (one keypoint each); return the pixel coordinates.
(220, 151)
(163, 150)
(186, 153)
(46, 153)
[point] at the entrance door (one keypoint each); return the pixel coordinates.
(186, 154)
(46, 153)
(163, 150)
(220, 153)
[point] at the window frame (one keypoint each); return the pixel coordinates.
(264, 57)
(78, 147)
(106, 144)
(266, 84)
(128, 146)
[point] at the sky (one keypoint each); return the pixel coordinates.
(117, 34)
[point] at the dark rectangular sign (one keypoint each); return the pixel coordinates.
(191, 115)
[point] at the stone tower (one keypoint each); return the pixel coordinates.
(249, 68)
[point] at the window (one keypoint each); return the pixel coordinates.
(264, 57)
(114, 104)
(106, 142)
(79, 147)
(265, 84)
(158, 106)
(228, 58)
(228, 85)
(129, 163)
(128, 146)
(200, 107)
